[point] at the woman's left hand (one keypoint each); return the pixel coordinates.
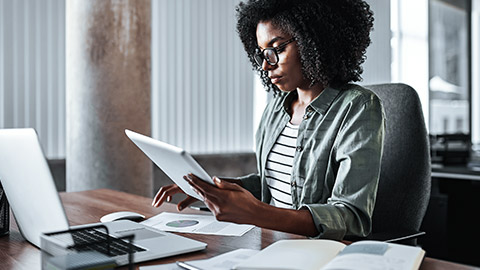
(227, 201)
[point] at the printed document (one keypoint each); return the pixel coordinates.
(201, 224)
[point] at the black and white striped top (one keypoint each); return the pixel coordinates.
(279, 165)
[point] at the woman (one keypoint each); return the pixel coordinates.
(320, 140)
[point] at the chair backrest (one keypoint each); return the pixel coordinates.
(404, 186)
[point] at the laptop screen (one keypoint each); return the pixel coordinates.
(29, 185)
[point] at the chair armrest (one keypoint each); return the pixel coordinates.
(404, 237)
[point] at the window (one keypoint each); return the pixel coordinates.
(475, 72)
(449, 68)
(409, 44)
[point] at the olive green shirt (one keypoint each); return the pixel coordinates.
(337, 160)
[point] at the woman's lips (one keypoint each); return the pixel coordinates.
(275, 80)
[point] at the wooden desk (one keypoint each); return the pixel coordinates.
(88, 206)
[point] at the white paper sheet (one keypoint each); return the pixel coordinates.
(224, 261)
(201, 224)
(169, 266)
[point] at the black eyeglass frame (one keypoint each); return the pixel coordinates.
(259, 55)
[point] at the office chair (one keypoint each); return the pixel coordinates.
(404, 186)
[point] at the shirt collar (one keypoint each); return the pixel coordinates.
(320, 104)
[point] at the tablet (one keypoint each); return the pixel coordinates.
(173, 161)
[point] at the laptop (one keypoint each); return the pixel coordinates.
(38, 211)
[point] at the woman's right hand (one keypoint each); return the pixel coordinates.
(165, 194)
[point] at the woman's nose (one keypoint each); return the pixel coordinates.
(267, 66)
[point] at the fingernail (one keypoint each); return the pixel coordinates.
(216, 180)
(169, 199)
(180, 208)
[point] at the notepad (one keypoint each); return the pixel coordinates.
(328, 255)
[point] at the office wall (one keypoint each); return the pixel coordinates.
(32, 69)
(202, 84)
(377, 67)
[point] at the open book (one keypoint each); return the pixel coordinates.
(327, 254)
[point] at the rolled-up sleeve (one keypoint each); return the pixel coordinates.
(251, 183)
(355, 159)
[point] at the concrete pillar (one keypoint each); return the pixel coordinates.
(108, 90)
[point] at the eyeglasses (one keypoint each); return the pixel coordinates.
(270, 54)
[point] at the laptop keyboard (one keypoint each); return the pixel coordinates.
(83, 241)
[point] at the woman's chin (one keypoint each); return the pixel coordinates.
(285, 88)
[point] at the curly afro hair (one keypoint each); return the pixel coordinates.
(332, 35)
